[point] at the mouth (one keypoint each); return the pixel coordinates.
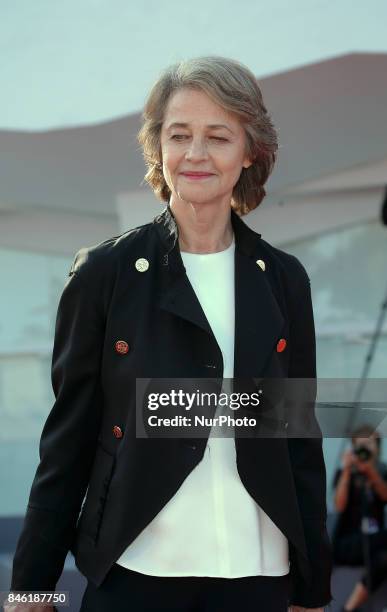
(196, 175)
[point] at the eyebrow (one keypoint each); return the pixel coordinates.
(211, 125)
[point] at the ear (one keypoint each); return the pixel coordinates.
(247, 163)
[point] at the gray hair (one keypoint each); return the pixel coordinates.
(234, 87)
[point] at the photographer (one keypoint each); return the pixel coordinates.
(361, 491)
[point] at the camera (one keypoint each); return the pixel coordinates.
(363, 453)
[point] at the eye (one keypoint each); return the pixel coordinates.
(181, 136)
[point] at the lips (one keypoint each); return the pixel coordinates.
(198, 174)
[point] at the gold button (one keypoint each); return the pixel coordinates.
(261, 264)
(142, 264)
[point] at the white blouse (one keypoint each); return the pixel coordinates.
(212, 526)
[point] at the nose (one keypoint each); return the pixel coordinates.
(196, 150)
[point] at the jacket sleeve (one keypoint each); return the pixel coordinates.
(68, 440)
(307, 460)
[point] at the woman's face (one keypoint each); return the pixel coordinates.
(195, 146)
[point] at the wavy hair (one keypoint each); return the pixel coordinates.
(234, 87)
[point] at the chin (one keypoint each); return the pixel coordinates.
(195, 196)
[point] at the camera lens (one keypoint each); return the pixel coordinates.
(363, 453)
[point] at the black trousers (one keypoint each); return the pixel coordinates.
(126, 590)
(348, 550)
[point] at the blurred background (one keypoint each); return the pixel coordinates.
(74, 77)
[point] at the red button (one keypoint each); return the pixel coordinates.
(122, 347)
(281, 344)
(117, 431)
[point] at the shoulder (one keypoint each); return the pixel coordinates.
(289, 275)
(287, 263)
(382, 466)
(103, 258)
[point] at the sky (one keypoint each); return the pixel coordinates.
(87, 61)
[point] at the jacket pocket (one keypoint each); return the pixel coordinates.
(91, 515)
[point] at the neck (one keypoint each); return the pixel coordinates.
(203, 228)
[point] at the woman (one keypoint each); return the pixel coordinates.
(177, 523)
(361, 491)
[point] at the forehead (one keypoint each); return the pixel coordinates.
(362, 440)
(193, 106)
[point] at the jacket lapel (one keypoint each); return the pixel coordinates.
(258, 318)
(179, 298)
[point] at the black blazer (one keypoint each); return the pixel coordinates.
(89, 444)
